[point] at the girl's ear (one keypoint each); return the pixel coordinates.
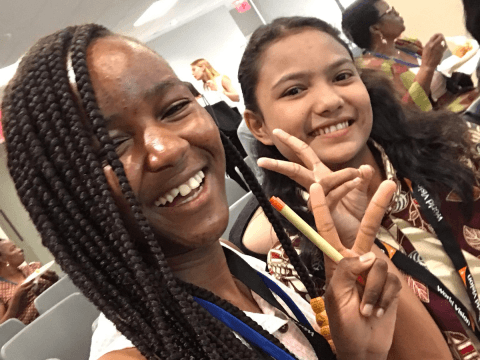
(375, 31)
(257, 127)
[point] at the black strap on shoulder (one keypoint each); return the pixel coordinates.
(247, 275)
(445, 234)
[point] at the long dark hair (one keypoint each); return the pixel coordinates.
(472, 17)
(56, 144)
(424, 147)
(357, 19)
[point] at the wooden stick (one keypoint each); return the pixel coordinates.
(306, 230)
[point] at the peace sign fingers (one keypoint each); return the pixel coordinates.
(294, 171)
(305, 153)
(323, 219)
(373, 217)
(368, 227)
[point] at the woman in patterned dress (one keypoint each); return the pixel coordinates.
(16, 296)
(376, 27)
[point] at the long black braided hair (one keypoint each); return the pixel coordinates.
(55, 159)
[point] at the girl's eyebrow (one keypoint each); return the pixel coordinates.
(300, 74)
(159, 89)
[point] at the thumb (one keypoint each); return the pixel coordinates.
(349, 269)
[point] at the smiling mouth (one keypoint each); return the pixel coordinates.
(332, 128)
(184, 193)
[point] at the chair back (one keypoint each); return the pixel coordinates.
(234, 191)
(234, 210)
(63, 332)
(8, 329)
(54, 294)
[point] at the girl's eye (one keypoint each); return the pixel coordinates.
(292, 91)
(177, 107)
(120, 143)
(343, 76)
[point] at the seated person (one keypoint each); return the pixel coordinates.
(376, 27)
(16, 296)
(318, 121)
(130, 134)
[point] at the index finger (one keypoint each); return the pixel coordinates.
(373, 217)
(323, 219)
(303, 152)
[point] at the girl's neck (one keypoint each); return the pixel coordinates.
(388, 48)
(205, 77)
(207, 267)
(10, 272)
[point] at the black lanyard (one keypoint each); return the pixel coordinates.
(452, 248)
(263, 286)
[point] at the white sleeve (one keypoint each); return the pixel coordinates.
(106, 338)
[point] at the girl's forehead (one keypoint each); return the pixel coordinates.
(301, 48)
(120, 67)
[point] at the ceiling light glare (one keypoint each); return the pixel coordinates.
(155, 11)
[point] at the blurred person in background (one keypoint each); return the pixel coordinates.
(376, 27)
(16, 295)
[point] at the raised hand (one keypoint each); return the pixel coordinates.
(362, 320)
(433, 51)
(345, 190)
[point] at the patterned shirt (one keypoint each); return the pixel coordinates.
(28, 313)
(409, 90)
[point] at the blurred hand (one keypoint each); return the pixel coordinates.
(362, 319)
(211, 85)
(433, 51)
(345, 190)
(20, 295)
(50, 275)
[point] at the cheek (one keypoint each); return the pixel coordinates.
(287, 152)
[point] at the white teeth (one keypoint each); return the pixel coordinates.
(184, 189)
(332, 128)
(193, 183)
(174, 192)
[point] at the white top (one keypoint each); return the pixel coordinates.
(214, 96)
(106, 338)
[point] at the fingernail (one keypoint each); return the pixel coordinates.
(356, 181)
(367, 310)
(380, 313)
(367, 257)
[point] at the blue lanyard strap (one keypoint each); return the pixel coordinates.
(287, 299)
(244, 330)
(401, 62)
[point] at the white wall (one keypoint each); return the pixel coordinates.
(213, 36)
(12, 207)
(424, 18)
(326, 10)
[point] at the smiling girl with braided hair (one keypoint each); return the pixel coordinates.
(122, 172)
